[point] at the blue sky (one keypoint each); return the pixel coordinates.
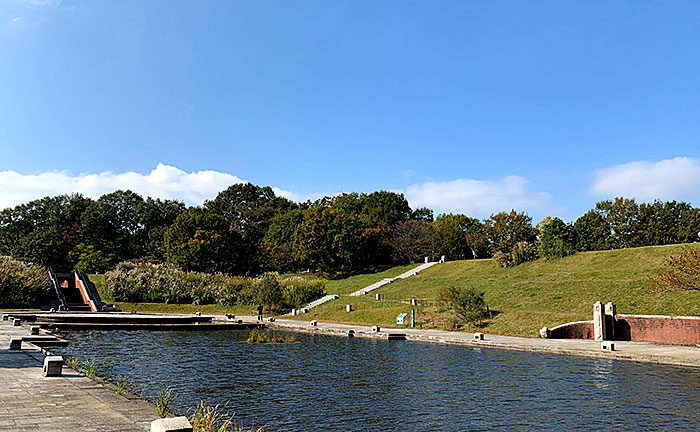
(468, 106)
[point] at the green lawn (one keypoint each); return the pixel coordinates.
(523, 299)
(529, 296)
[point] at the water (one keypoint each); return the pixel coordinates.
(327, 383)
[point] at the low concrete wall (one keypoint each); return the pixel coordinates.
(667, 330)
(573, 330)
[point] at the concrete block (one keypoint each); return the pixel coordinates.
(442, 259)
(15, 343)
(376, 329)
(53, 366)
(271, 319)
(378, 296)
(348, 308)
(414, 302)
(351, 333)
(5, 317)
(174, 424)
(198, 313)
(427, 260)
(16, 322)
(545, 332)
(313, 323)
(478, 336)
(607, 346)
(230, 316)
(34, 330)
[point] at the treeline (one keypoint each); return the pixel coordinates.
(248, 230)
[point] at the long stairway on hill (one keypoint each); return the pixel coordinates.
(404, 275)
(313, 304)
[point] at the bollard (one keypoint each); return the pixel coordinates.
(545, 332)
(173, 424)
(378, 296)
(375, 328)
(34, 330)
(15, 343)
(271, 319)
(478, 336)
(414, 302)
(351, 333)
(133, 311)
(198, 314)
(313, 323)
(4, 317)
(230, 316)
(607, 346)
(598, 322)
(348, 308)
(53, 366)
(16, 322)
(427, 260)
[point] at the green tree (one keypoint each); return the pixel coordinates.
(199, 240)
(591, 232)
(621, 216)
(449, 235)
(556, 239)
(505, 230)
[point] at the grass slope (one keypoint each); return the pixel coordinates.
(527, 297)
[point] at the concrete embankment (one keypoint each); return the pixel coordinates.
(632, 351)
(72, 402)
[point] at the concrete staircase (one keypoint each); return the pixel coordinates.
(313, 304)
(381, 283)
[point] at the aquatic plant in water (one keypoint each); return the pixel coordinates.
(163, 401)
(213, 419)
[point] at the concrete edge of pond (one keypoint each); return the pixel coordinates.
(71, 402)
(630, 351)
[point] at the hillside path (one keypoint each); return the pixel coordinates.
(404, 275)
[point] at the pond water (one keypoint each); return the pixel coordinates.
(327, 383)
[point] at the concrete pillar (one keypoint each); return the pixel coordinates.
(4, 317)
(442, 259)
(348, 308)
(427, 260)
(598, 322)
(313, 323)
(375, 329)
(15, 343)
(610, 312)
(351, 333)
(174, 424)
(478, 336)
(53, 366)
(378, 296)
(34, 330)
(414, 302)
(16, 322)
(545, 332)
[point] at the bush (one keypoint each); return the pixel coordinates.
(682, 272)
(267, 291)
(298, 292)
(467, 303)
(22, 284)
(522, 252)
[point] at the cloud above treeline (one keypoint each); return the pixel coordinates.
(478, 198)
(668, 179)
(165, 181)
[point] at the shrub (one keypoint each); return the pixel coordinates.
(522, 252)
(268, 291)
(467, 303)
(682, 272)
(22, 284)
(298, 292)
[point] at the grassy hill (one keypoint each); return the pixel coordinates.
(524, 298)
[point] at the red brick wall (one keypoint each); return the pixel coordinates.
(658, 329)
(574, 330)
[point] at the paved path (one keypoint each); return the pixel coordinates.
(30, 402)
(635, 351)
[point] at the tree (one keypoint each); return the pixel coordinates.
(411, 241)
(556, 238)
(467, 303)
(422, 213)
(199, 240)
(278, 243)
(505, 230)
(449, 234)
(387, 207)
(621, 216)
(591, 232)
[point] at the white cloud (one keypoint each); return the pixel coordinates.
(163, 182)
(52, 3)
(16, 19)
(677, 178)
(478, 198)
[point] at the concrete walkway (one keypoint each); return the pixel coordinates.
(30, 402)
(413, 272)
(634, 351)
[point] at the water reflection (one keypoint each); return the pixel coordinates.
(327, 383)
